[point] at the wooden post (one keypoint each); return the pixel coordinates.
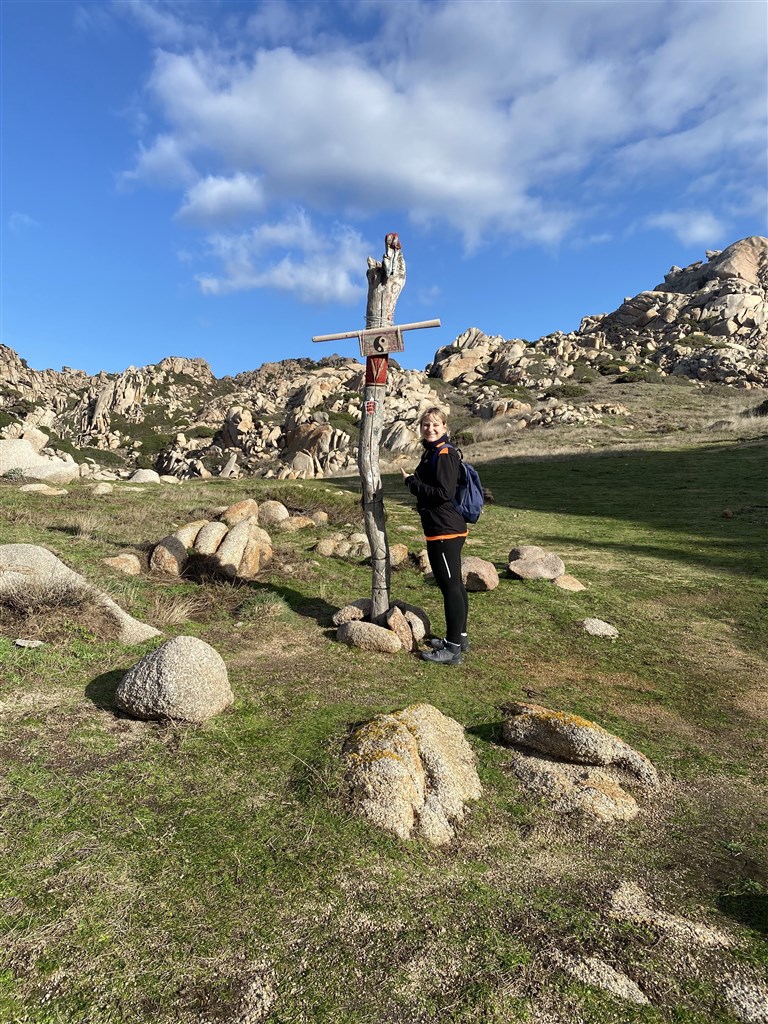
(385, 282)
(373, 498)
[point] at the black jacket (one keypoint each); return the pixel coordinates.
(434, 485)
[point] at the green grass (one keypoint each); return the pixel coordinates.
(148, 872)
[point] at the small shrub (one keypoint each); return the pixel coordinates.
(645, 376)
(759, 410)
(700, 340)
(568, 391)
(15, 473)
(262, 604)
(463, 437)
(85, 525)
(344, 421)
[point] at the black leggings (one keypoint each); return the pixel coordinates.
(445, 561)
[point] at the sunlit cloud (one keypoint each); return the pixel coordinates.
(447, 112)
(291, 256)
(691, 227)
(217, 199)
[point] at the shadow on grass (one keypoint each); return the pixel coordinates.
(709, 501)
(749, 908)
(488, 732)
(203, 569)
(310, 607)
(101, 690)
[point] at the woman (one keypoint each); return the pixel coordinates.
(434, 485)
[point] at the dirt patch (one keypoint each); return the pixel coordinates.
(55, 624)
(16, 705)
(661, 720)
(713, 647)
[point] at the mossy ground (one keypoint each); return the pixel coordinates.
(149, 871)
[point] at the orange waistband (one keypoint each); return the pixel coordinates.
(448, 536)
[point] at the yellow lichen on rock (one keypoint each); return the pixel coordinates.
(411, 771)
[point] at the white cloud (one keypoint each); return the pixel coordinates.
(691, 227)
(219, 199)
(487, 118)
(162, 163)
(316, 268)
(21, 222)
(164, 25)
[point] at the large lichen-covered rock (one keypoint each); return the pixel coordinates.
(244, 552)
(398, 555)
(397, 622)
(272, 512)
(24, 566)
(185, 680)
(574, 788)
(572, 738)
(257, 554)
(144, 476)
(295, 523)
(369, 637)
(20, 454)
(411, 772)
(187, 534)
(126, 562)
(353, 612)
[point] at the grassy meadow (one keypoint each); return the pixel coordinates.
(161, 873)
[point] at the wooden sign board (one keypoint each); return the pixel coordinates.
(377, 341)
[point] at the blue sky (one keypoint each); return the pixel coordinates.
(207, 179)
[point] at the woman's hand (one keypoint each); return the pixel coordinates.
(405, 475)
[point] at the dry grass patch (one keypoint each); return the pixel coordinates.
(39, 610)
(86, 525)
(176, 609)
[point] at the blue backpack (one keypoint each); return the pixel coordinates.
(469, 498)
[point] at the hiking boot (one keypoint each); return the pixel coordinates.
(437, 644)
(448, 654)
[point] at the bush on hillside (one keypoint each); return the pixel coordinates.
(568, 391)
(648, 375)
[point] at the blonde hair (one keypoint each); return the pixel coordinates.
(435, 413)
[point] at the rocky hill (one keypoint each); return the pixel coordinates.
(706, 324)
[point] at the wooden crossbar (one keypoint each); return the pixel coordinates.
(375, 330)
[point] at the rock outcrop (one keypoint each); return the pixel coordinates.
(297, 418)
